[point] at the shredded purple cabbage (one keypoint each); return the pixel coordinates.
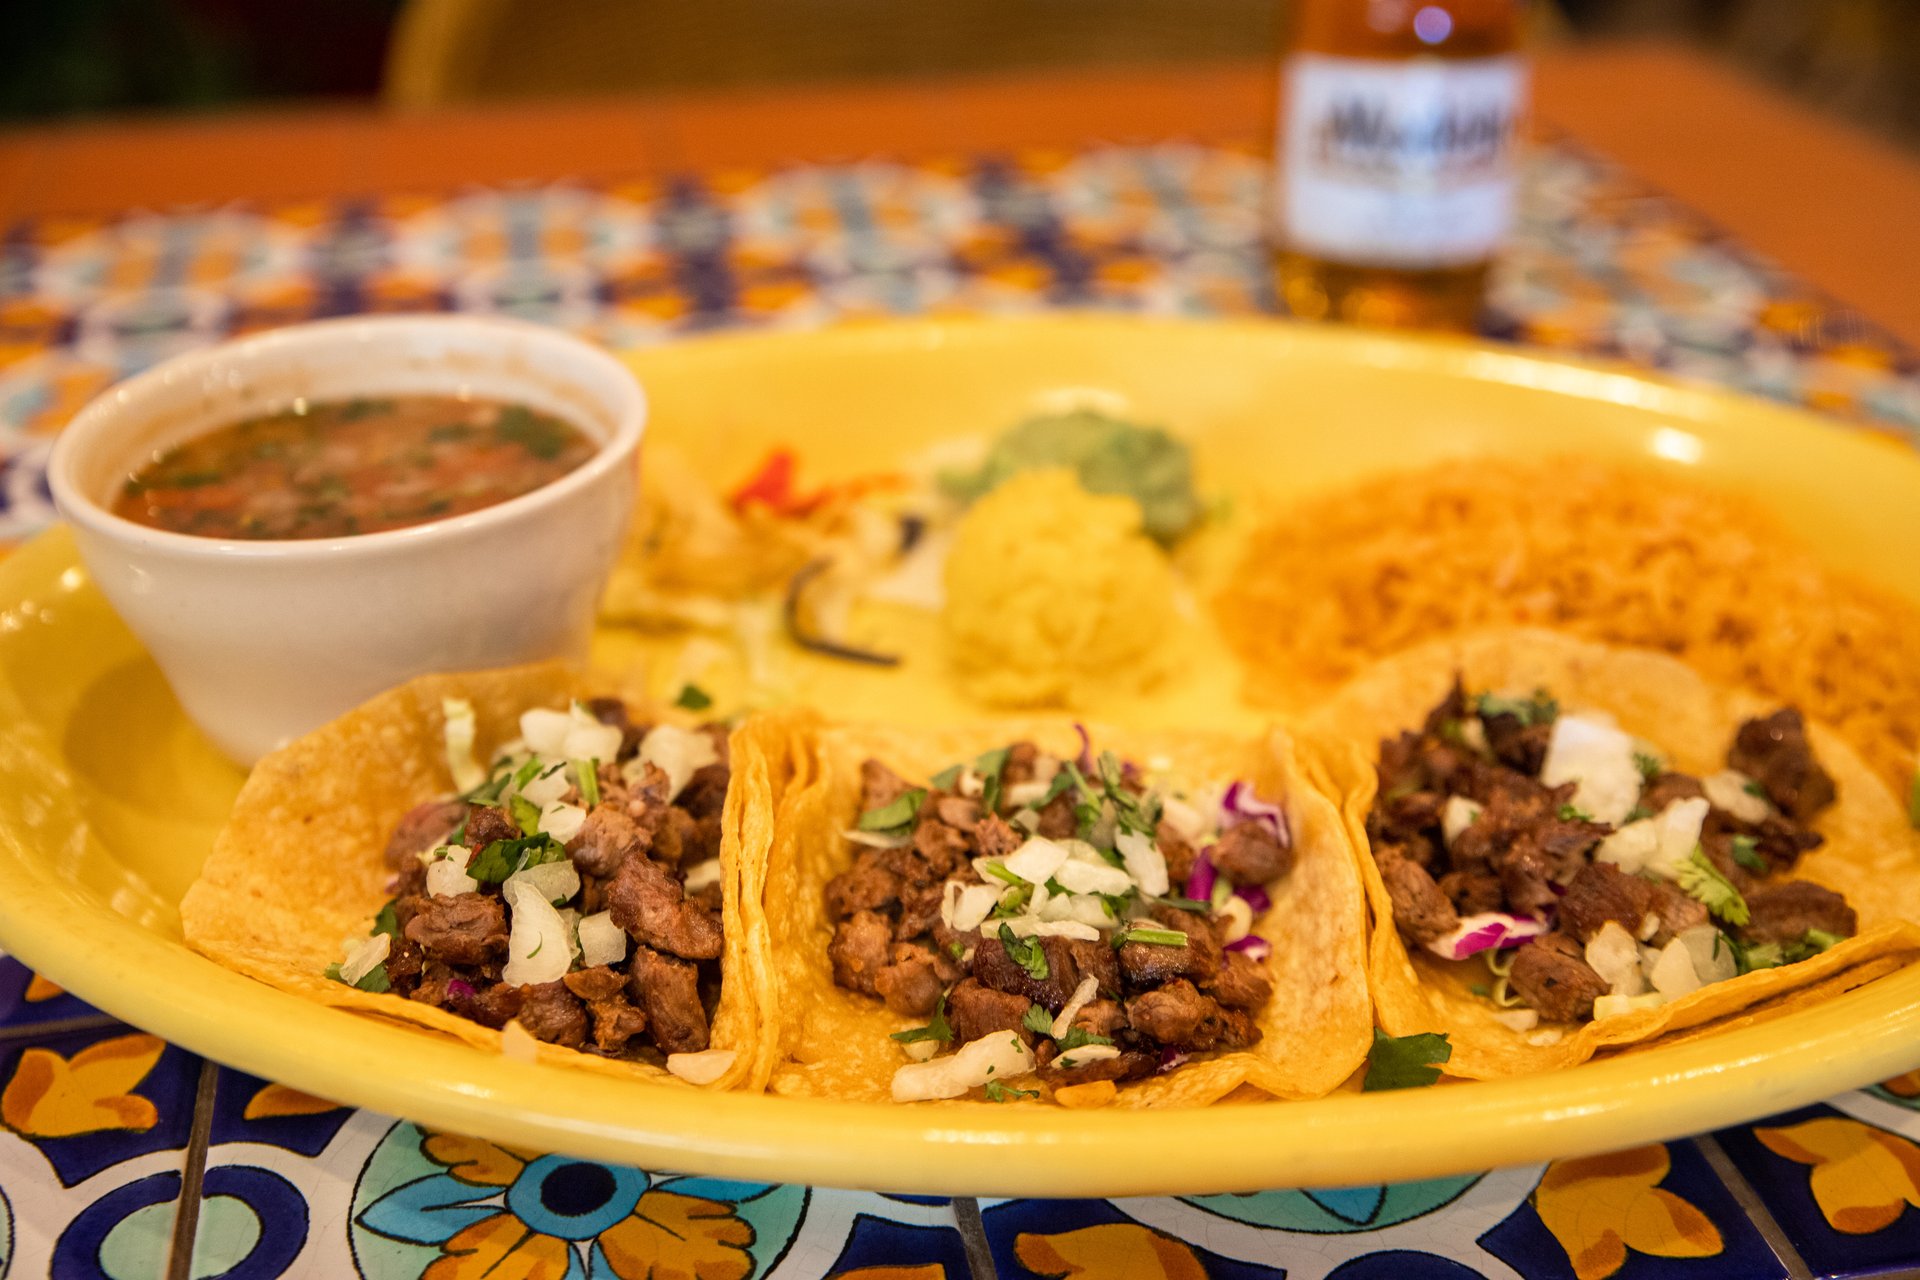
(1255, 897)
(1484, 932)
(1085, 758)
(1200, 879)
(1253, 946)
(460, 987)
(1169, 1059)
(1240, 804)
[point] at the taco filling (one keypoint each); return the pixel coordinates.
(1056, 916)
(1591, 878)
(573, 889)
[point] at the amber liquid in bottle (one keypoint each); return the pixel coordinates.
(1396, 158)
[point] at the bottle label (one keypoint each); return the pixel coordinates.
(1407, 164)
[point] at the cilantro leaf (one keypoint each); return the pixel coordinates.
(1038, 1020)
(527, 772)
(1700, 880)
(896, 813)
(1404, 1062)
(946, 779)
(386, 922)
(936, 1028)
(504, 857)
(1062, 780)
(1744, 855)
(1821, 940)
(1754, 789)
(991, 766)
(997, 1092)
(374, 979)
(1538, 709)
(1027, 953)
(693, 698)
(525, 814)
(1080, 1037)
(1650, 766)
(1573, 813)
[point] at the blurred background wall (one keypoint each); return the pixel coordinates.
(66, 58)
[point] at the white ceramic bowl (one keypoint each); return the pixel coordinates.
(265, 640)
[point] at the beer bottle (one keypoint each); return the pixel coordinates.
(1396, 164)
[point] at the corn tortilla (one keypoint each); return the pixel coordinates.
(299, 866)
(1871, 856)
(834, 1043)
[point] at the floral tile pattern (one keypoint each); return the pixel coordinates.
(112, 1143)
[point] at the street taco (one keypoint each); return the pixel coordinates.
(1572, 848)
(573, 899)
(1010, 913)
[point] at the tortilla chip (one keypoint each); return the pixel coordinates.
(834, 1042)
(299, 867)
(1871, 856)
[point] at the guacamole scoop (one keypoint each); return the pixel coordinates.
(1107, 455)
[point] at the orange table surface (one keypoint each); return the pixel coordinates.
(1829, 203)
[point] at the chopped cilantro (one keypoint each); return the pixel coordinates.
(1063, 780)
(1649, 766)
(1038, 1020)
(955, 950)
(896, 813)
(1821, 940)
(538, 949)
(588, 771)
(1538, 709)
(527, 772)
(936, 1028)
(1480, 989)
(503, 858)
(1701, 880)
(947, 778)
(1573, 813)
(999, 872)
(1080, 1037)
(1027, 953)
(525, 814)
(997, 1092)
(693, 698)
(1744, 854)
(386, 922)
(1639, 813)
(374, 979)
(1450, 731)
(540, 436)
(991, 766)
(1754, 789)
(1404, 1062)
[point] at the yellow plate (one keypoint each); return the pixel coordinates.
(108, 798)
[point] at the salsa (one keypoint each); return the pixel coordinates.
(328, 469)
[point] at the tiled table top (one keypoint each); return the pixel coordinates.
(122, 1156)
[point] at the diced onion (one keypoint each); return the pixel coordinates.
(963, 907)
(1021, 794)
(970, 784)
(459, 732)
(546, 786)
(1612, 1006)
(920, 1050)
(538, 948)
(701, 874)
(448, 878)
(1036, 860)
(999, 1056)
(1518, 1019)
(545, 731)
(1087, 1053)
(1658, 845)
(1082, 996)
(1028, 820)
(877, 839)
(1030, 926)
(1145, 863)
(1712, 954)
(556, 881)
(1089, 877)
(1237, 916)
(1727, 790)
(704, 1067)
(1187, 822)
(678, 753)
(1615, 956)
(1459, 814)
(601, 940)
(562, 821)
(1672, 973)
(1084, 907)
(588, 739)
(1598, 759)
(364, 956)
(517, 1042)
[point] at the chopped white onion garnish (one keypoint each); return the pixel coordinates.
(1672, 973)
(1082, 996)
(1615, 956)
(1027, 926)
(1189, 823)
(545, 731)
(562, 821)
(1089, 877)
(1028, 820)
(538, 946)
(1659, 845)
(1459, 814)
(1612, 1006)
(704, 1067)
(878, 840)
(546, 786)
(1473, 735)
(570, 917)
(1021, 794)
(1036, 860)
(556, 881)
(678, 753)
(1711, 954)
(363, 956)
(1598, 759)
(466, 771)
(448, 878)
(1145, 863)
(970, 784)
(1518, 1019)
(588, 739)
(702, 874)
(920, 1050)
(963, 907)
(1727, 790)
(1087, 1053)
(1000, 1056)
(517, 1042)
(601, 940)
(1237, 917)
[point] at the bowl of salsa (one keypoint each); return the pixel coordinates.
(296, 520)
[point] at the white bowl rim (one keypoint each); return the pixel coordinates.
(616, 450)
